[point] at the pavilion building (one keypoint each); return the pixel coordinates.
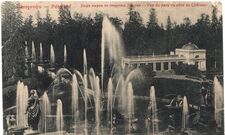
(189, 54)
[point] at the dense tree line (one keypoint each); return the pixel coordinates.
(78, 32)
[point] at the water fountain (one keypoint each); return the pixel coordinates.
(111, 42)
(97, 105)
(45, 112)
(185, 114)
(52, 56)
(59, 117)
(75, 99)
(130, 106)
(26, 50)
(65, 55)
(153, 118)
(85, 91)
(41, 53)
(92, 78)
(218, 102)
(109, 103)
(33, 55)
(21, 104)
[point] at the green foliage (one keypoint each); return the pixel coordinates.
(11, 19)
(185, 69)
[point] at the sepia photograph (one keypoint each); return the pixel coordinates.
(112, 68)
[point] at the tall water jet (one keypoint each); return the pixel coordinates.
(85, 91)
(185, 114)
(45, 112)
(75, 98)
(218, 102)
(65, 55)
(26, 50)
(41, 53)
(153, 112)
(111, 42)
(52, 56)
(21, 104)
(33, 55)
(130, 106)
(118, 93)
(97, 104)
(92, 78)
(109, 104)
(59, 117)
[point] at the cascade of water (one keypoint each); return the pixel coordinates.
(218, 102)
(59, 117)
(97, 104)
(21, 104)
(85, 91)
(52, 56)
(109, 104)
(130, 106)
(185, 114)
(45, 111)
(33, 56)
(65, 55)
(153, 111)
(75, 98)
(41, 53)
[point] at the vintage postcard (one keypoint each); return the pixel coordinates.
(112, 67)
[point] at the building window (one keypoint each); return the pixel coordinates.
(173, 65)
(165, 65)
(197, 56)
(158, 66)
(196, 64)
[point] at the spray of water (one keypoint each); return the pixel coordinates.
(109, 104)
(59, 117)
(97, 104)
(65, 55)
(130, 107)
(26, 50)
(41, 53)
(85, 91)
(52, 56)
(21, 104)
(45, 112)
(112, 43)
(33, 56)
(75, 98)
(218, 102)
(92, 78)
(185, 114)
(153, 111)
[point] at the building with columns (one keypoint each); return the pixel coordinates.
(189, 54)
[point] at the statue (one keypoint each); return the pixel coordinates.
(33, 110)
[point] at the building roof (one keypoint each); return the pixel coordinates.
(190, 46)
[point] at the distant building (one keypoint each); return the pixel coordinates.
(189, 54)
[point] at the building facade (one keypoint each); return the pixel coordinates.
(189, 54)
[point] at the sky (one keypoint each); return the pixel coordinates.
(176, 10)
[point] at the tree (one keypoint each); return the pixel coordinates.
(215, 21)
(169, 24)
(153, 22)
(11, 19)
(64, 15)
(134, 32)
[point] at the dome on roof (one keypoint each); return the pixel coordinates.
(190, 46)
